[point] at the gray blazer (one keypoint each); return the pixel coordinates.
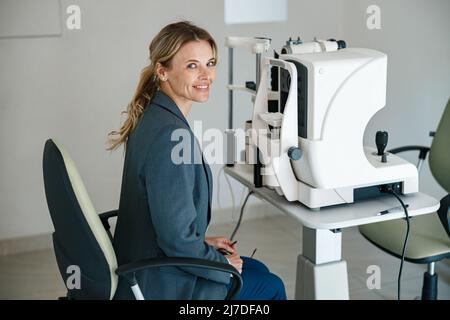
(165, 208)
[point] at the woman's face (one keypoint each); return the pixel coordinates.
(191, 73)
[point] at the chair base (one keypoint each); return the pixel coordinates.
(429, 289)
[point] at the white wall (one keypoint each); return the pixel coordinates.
(414, 35)
(74, 87)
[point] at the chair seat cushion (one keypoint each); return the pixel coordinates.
(428, 241)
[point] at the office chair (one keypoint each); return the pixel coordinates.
(429, 238)
(82, 237)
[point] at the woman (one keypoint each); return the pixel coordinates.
(165, 202)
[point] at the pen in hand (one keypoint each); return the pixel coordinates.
(226, 252)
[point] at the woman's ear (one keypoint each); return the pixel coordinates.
(161, 72)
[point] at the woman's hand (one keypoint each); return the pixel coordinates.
(236, 261)
(221, 243)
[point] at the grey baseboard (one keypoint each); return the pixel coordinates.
(219, 216)
(252, 211)
(25, 244)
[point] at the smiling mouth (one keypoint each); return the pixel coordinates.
(201, 87)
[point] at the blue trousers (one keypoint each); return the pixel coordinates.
(259, 283)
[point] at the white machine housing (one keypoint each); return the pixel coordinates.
(345, 88)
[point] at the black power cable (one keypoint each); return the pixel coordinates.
(240, 216)
(388, 189)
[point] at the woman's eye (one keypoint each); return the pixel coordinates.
(192, 66)
(211, 64)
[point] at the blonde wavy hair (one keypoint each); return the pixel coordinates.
(162, 49)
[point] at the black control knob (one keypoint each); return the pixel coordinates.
(294, 153)
(381, 139)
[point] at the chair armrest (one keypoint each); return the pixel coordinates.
(422, 154)
(128, 270)
(105, 216)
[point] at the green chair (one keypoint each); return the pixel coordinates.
(429, 238)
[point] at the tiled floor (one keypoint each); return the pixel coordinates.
(278, 242)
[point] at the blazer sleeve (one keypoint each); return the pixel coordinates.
(170, 189)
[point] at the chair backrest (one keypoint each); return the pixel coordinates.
(439, 158)
(79, 239)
